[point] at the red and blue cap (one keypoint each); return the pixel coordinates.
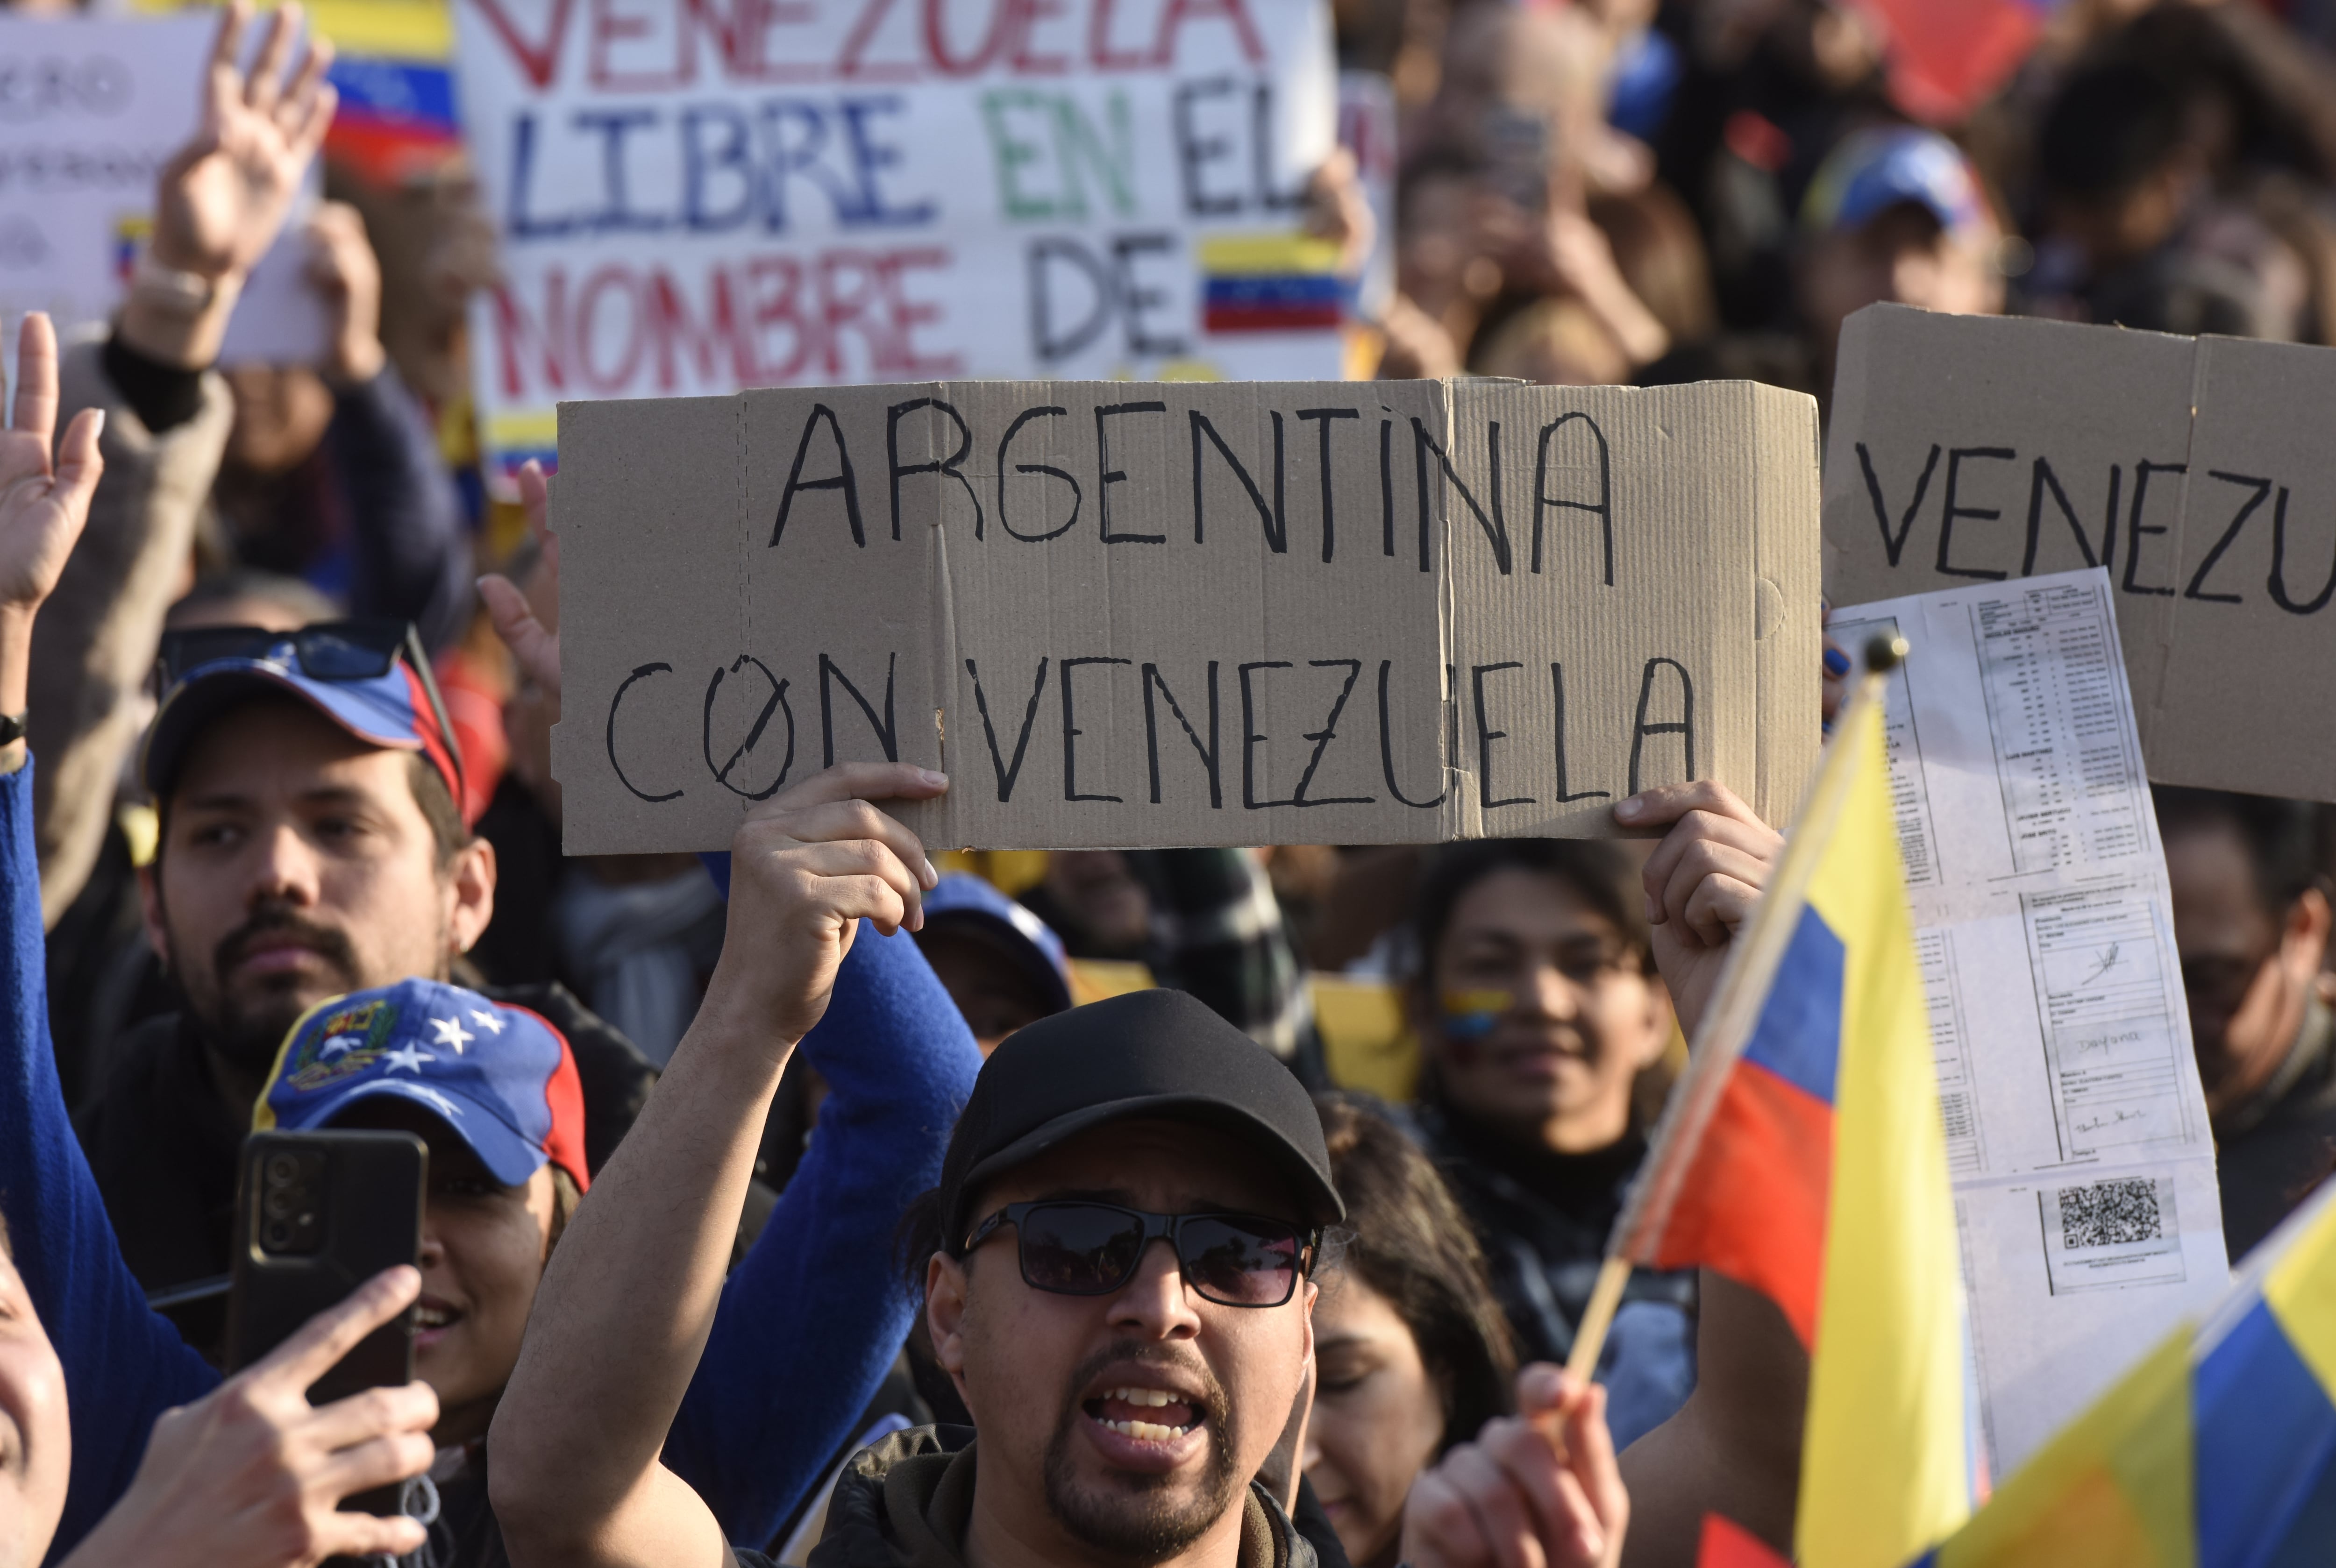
(501, 1077)
(398, 710)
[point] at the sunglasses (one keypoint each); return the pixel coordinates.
(345, 651)
(1092, 1249)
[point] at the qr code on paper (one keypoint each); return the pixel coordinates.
(2110, 1213)
(2108, 1235)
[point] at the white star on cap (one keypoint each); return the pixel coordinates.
(452, 1032)
(487, 1020)
(409, 1057)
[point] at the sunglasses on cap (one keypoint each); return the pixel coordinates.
(360, 649)
(1072, 1248)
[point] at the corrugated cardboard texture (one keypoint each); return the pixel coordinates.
(1131, 614)
(2199, 471)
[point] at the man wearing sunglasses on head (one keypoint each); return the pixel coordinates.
(310, 846)
(1115, 1271)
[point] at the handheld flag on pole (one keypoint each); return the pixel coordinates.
(1803, 1156)
(2217, 1450)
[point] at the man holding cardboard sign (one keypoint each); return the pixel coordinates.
(1126, 614)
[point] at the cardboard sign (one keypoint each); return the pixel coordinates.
(696, 199)
(1124, 615)
(2198, 470)
(90, 110)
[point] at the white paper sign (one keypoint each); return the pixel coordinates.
(2077, 1130)
(698, 199)
(90, 109)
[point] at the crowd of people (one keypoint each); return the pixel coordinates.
(727, 1154)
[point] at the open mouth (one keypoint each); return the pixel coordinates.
(1148, 1415)
(433, 1318)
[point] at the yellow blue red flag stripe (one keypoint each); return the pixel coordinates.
(1803, 1156)
(2217, 1451)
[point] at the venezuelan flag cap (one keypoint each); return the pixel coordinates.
(502, 1078)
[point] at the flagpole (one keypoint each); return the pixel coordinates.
(1883, 654)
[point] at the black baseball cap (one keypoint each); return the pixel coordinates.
(1153, 1054)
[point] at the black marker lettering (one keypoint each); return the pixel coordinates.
(1071, 731)
(1023, 418)
(1684, 727)
(1485, 736)
(2262, 488)
(1106, 477)
(2040, 480)
(1250, 736)
(1895, 543)
(1557, 692)
(2279, 566)
(841, 479)
(1007, 775)
(830, 670)
(948, 465)
(1603, 507)
(1387, 487)
(640, 673)
(1325, 416)
(1208, 754)
(1495, 527)
(1387, 749)
(1952, 510)
(1276, 538)
(775, 702)
(1322, 737)
(2134, 530)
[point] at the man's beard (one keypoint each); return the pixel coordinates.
(248, 1029)
(1140, 1519)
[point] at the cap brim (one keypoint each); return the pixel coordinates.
(510, 1157)
(1014, 947)
(1318, 1201)
(197, 701)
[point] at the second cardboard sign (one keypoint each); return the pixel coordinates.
(1125, 615)
(2198, 470)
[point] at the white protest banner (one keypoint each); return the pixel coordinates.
(90, 109)
(2198, 470)
(694, 198)
(1180, 613)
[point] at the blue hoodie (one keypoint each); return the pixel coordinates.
(808, 1325)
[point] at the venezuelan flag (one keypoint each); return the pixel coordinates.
(1803, 1156)
(1946, 57)
(2217, 1450)
(1270, 283)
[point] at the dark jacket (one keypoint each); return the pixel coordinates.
(164, 1143)
(1543, 1220)
(904, 1504)
(2272, 1150)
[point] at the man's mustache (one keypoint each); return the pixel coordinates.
(275, 924)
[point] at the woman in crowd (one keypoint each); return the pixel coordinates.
(1539, 1014)
(1411, 1354)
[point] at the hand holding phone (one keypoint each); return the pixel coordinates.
(254, 1473)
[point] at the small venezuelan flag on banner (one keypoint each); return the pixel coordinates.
(1803, 1156)
(1270, 283)
(2217, 1450)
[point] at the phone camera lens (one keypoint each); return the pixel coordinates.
(280, 1203)
(279, 1233)
(281, 1170)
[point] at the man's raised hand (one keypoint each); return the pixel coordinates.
(222, 196)
(533, 645)
(42, 504)
(805, 868)
(1701, 884)
(254, 1475)
(1538, 1489)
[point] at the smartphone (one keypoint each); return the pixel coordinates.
(317, 1214)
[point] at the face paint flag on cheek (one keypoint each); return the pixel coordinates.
(1471, 1014)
